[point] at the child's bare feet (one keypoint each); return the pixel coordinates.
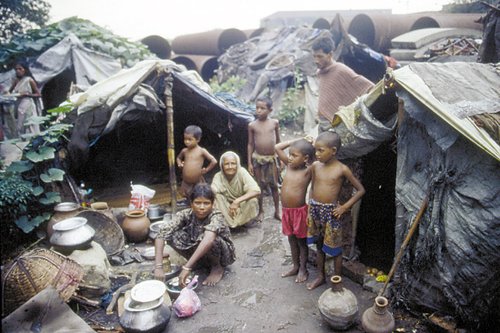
(277, 216)
(318, 281)
(291, 272)
(302, 276)
(216, 273)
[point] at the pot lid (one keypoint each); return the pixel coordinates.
(148, 291)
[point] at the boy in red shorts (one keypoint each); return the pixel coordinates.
(293, 201)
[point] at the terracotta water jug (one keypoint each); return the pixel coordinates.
(378, 319)
(338, 306)
(136, 226)
(62, 211)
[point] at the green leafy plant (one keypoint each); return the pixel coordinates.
(27, 186)
(231, 85)
(291, 108)
(35, 42)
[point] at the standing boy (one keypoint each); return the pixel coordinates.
(191, 160)
(324, 225)
(263, 135)
(293, 201)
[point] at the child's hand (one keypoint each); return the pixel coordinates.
(339, 211)
(181, 164)
(309, 139)
(203, 171)
(250, 169)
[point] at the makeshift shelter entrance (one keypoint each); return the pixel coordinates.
(452, 263)
(66, 62)
(120, 131)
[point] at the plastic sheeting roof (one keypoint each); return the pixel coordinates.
(455, 92)
(89, 66)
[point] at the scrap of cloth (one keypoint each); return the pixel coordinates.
(268, 168)
(339, 86)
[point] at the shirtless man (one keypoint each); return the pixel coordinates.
(263, 135)
(191, 160)
(324, 224)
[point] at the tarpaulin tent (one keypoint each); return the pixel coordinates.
(120, 129)
(68, 58)
(452, 264)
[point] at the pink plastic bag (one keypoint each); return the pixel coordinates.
(188, 302)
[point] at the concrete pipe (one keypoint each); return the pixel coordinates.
(214, 42)
(377, 30)
(158, 45)
(250, 33)
(447, 20)
(204, 65)
(321, 23)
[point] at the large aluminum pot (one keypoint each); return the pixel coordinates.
(72, 234)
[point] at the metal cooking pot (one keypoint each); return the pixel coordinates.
(71, 234)
(149, 318)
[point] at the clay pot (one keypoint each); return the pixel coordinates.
(102, 207)
(338, 306)
(71, 234)
(136, 226)
(62, 211)
(378, 319)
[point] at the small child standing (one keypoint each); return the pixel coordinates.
(191, 160)
(293, 201)
(324, 225)
(263, 135)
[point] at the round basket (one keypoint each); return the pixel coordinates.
(107, 232)
(34, 271)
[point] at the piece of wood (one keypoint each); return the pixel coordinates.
(416, 221)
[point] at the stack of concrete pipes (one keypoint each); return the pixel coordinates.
(200, 51)
(158, 45)
(377, 29)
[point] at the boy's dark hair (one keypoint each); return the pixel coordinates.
(202, 191)
(331, 139)
(194, 131)
(267, 100)
(305, 147)
(325, 43)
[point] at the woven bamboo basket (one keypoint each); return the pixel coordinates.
(32, 272)
(107, 232)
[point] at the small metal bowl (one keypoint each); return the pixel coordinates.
(173, 287)
(154, 229)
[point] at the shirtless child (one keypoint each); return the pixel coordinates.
(324, 225)
(293, 201)
(263, 135)
(191, 160)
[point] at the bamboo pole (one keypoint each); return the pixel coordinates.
(169, 80)
(416, 221)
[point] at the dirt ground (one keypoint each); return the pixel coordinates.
(252, 296)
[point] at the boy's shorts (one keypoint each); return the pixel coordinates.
(268, 169)
(323, 227)
(294, 221)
